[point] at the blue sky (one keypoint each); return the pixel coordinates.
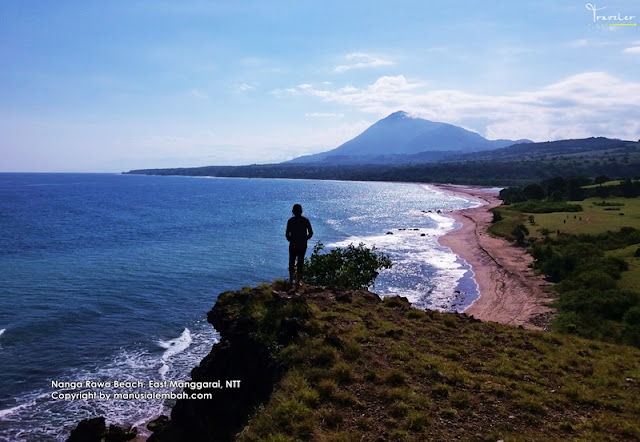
(118, 85)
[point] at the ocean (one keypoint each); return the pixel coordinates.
(107, 278)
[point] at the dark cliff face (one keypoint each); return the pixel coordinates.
(245, 354)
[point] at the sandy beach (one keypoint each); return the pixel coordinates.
(510, 293)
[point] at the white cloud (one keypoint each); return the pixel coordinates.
(588, 104)
(360, 60)
(244, 87)
(632, 50)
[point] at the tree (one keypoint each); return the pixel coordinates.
(600, 179)
(556, 188)
(511, 195)
(627, 189)
(575, 192)
(520, 232)
(533, 192)
(351, 268)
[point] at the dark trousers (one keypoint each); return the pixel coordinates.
(296, 254)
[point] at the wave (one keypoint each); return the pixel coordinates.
(38, 416)
(15, 409)
(173, 347)
(452, 196)
(428, 274)
(2, 330)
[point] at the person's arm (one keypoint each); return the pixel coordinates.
(309, 230)
(287, 234)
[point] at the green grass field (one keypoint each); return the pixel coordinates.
(607, 184)
(618, 213)
(364, 369)
(630, 280)
(598, 216)
(510, 219)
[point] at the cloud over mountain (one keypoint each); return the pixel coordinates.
(582, 105)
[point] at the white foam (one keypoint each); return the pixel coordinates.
(423, 271)
(173, 347)
(9, 411)
(2, 330)
(38, 417)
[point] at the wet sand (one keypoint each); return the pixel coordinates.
(510, 293)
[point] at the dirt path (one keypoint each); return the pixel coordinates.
(509, 291)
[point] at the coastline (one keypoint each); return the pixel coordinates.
(509, 292)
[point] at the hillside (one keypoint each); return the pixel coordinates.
(401, 138)
(514, 165)
(346, 365)
(585, 149)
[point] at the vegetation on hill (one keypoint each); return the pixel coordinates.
(357, 368)
(523, 164)
(587, 252)
(576, 188)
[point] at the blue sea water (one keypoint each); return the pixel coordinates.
(109, 277)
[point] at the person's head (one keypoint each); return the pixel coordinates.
(297, 210)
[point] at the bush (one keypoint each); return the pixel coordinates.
(536, 206)
(631, 326)
(520, 232)
(605, 304)
(351, 268)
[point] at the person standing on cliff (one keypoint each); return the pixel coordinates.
(298, 232)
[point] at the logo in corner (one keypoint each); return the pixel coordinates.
(603, 19)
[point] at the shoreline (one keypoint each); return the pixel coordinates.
(509, 292)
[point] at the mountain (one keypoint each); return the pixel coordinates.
(583, 148)
(401, 138)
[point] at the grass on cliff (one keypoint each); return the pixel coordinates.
(365, 369)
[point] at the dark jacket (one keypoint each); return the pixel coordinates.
(298, 232)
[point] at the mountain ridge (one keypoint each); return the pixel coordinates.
(398, 136)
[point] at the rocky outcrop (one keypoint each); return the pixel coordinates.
(90, 430)
(248, 335)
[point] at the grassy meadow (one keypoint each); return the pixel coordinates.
(598, 215)
(365, 369)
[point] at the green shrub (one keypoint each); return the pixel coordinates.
(520, 232)
(351, 268)
(606, 304)
(537, 206)
(631, 326)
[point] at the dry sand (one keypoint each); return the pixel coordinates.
(510, 293)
